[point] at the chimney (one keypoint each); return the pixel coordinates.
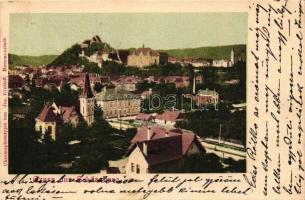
(145, 142)
(150, 91)
(194, 84)
(145, 148)
(166, 134)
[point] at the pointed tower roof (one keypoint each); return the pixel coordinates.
(87, 92)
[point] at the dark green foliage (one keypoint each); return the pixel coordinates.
(69, 57)
(214, 78)
(96, 46)
(202, 163)
(90, 67)
(113, 68)
(235, 166)
(206, 123)
(98, 87)
(168, 69)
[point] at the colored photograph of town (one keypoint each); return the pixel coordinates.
(127, 93)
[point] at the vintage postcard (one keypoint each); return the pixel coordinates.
(152, 100)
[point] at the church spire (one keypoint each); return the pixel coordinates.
(87, 92)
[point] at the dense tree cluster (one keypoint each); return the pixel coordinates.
(214, 78)
(206, 123)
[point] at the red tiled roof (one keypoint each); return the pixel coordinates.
(187, 140)
(47, 114)
(28, 70)
(162, 150)
(164, 147)
(68, 112)
(169, 115)
(15, 79)
(144, 117)
(124, 79)
(156, 132)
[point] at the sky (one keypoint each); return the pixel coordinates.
(52, 33)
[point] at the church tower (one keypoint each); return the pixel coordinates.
(87, 102)
(232, 57)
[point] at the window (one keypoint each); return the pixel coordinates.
(49, 129)
(132, 167)
(138, 169)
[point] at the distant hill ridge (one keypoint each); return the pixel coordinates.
(71, 56)
(20, 60)
(212, 52)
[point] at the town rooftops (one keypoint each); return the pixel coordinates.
(15, 81)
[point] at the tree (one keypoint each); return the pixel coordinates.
(98, 87)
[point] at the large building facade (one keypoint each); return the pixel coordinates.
(118, 103)
(143, 57)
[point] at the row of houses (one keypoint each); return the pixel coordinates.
(205, 62)
(166, 118)
(54, 80)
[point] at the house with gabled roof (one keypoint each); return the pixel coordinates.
(168, 117)
(47, 121)
(52, 115)
(157, 153)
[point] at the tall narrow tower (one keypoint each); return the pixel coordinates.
(87, 102)
(232, 57)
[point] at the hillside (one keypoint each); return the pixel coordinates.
(17, 60)
(71, 55)
(217, 52)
